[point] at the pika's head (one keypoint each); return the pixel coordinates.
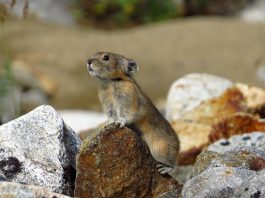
(110, 66)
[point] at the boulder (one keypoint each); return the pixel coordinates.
(39, 149)
(115, 162)
(189, 91)
(216, 182)
(194, 127)
(238, 158)
(9, 189)
(203, 105)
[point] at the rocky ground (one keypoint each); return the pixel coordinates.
(221, 130)
(165, 51)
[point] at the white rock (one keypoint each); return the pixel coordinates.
(8, 189)
(255, 12)
(38, 148)
(82, 120)
(189, 91)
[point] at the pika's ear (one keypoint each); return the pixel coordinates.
(131, 67)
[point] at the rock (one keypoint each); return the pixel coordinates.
(255, 97)
(238, 123)
(172, 194)
(253, 187)
(82, 120)
(254, 12)
(254, 139)
(194, 127)
(239, 159)
(189, 91)
(38, 148)
(114, 162)
(8, 189)
(216, 182)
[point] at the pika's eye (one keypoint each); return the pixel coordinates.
(106, 57)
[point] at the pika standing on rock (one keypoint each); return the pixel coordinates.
(127, 105)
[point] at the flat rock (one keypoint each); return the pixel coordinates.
(8, 189)
(39, 148)
(115, 162)
(219, 182)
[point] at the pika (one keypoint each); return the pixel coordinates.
(126, 104)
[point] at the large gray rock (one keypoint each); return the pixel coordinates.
(216, 182)
(254, 139)
(38, 148)
(8, 189)
(253, 187)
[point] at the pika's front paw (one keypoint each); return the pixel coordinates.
(109, 124)
(163, 169)
(120, 122)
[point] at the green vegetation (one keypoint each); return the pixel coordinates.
(126, 12)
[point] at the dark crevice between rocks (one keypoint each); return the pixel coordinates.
(69, 176)
(10, 167)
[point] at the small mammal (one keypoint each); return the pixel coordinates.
(126, 104)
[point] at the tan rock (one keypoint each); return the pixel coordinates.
(255, 96)
(116, 163)
(194, 126)
(235, 124)
(191, 90)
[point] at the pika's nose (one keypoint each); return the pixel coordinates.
(89, 62)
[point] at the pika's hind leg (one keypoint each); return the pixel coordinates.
(163, 169)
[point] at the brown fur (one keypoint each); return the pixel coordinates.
(126, 104)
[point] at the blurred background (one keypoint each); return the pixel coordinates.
(44, 46)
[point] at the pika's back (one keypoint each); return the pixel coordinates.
(109, 65)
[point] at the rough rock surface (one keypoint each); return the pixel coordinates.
(189, 91)
(239, 158)
(38, 148)
(254, 139)
(115, 162)
(255, 96)
(238, 123)
(254, 187)
(232, 167)
(10, 190)
(203, 104)
(216, 182)
(194, 127)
